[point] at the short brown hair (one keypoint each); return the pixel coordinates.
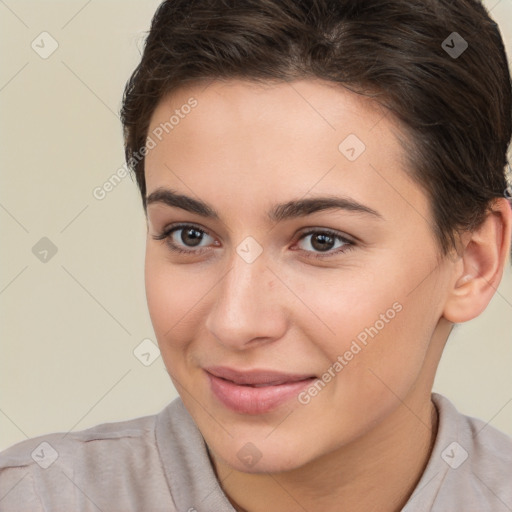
(456, 109)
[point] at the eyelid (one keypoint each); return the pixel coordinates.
(333, 232)
(304, 231)
(348, 240)
(169, 230)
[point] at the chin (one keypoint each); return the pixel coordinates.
(274, 465)
(264, 457)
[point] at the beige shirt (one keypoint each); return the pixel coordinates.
(160, 463)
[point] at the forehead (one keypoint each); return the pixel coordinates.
(280, 139)
(246, 102)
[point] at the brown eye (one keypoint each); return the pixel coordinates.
(323, 242)
(190, 237)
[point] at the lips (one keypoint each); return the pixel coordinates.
(256, 378)
(255, 391)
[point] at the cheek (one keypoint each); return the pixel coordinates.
(177, 299)
(354, 307)
(373, 360)
(373, 332)
(169, 296)
(159, 294)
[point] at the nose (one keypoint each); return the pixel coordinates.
(248, 307)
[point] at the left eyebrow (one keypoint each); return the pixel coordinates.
(284, 211)
(303, 207)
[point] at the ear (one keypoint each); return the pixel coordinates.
(478, 273)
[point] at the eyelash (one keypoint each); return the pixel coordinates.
(166, 234)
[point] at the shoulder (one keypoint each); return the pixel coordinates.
(486, 447)
(55, 470)
(473, 461)
(45, 449)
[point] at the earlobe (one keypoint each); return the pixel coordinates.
(478, 273)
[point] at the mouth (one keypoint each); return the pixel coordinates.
(256, 377)
(256, 391)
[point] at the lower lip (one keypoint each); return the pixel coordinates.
(250, 400)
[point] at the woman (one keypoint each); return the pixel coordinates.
(325, 193)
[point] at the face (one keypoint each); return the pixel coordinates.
(342, 295)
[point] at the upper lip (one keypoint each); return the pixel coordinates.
(255, 376)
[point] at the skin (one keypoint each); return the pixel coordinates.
(242, 149)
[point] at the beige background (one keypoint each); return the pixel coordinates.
(70, 325)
